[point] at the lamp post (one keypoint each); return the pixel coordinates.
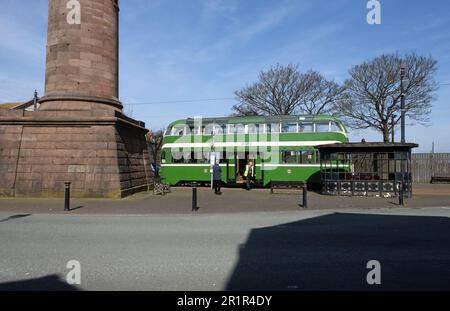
(402, 103)
(402, 109)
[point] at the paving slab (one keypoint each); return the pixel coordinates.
(232, 200)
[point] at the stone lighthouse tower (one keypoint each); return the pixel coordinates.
(79, 134)
(82, 55)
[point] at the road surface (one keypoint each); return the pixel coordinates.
(322, 249)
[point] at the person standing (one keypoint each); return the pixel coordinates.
(249, 174)
(217, 178)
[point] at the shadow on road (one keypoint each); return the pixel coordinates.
(47, 283)
(75, 208)
(331, 253)
(15, 217)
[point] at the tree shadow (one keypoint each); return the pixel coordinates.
(331, 253)
(46, 283)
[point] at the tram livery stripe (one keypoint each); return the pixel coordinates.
(253, 144)
(189, 165)
(224, 165)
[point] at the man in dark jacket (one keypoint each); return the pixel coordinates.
(217, 178)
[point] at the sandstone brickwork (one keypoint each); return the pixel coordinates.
(82, 59)
(79, 133)
(101, 156)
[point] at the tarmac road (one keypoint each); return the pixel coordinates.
(282, 250)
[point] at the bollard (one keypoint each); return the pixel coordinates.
(400, 194)
(67, 196)
(305, 195)
(194, 197)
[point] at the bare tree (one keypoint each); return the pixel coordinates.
(320, 95)
(283, 90)
(154, 141)
(373, 94)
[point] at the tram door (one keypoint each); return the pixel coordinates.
(241, 162)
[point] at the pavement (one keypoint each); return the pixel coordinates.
(306, 250)
(232, 200)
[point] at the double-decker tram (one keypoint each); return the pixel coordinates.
(281, 148)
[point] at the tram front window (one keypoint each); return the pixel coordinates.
(178, 130)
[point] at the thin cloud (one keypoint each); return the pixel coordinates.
(18, 39)
(243, 33)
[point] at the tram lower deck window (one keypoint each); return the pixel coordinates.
(299, 156)
(196, 157)
(290, 156)
(309, 157)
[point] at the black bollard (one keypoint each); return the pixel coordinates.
(194, 197)
(305, 195)
(67, 197)
(400, 194)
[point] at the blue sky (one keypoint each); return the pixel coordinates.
(175, 50)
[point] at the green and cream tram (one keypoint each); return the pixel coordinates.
(282, 148)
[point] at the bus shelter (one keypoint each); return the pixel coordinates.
(366, 169)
